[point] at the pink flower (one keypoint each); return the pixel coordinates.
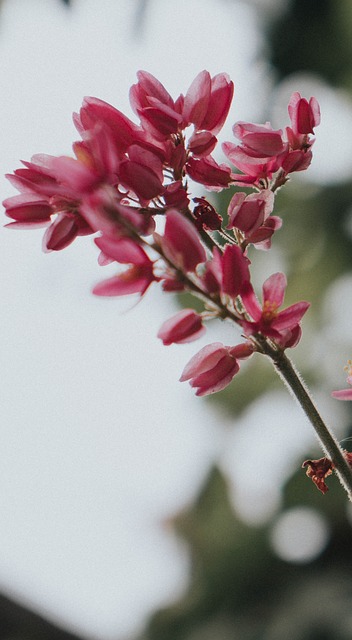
(51, 186)
(136, 279)
(261, 237)
(213, 273)
(304, 115)
(207, 101)
(259, 142)
(248, 213)
(201, 143)
(235, 271)
(175, 196)
(255, 170)
(208, 172)
(267, 319)
(122, 130)
(65, 228)
(259, 154)
(184, 326)
(104, 213)
(158, 112)
(142, 173)
(28, 209)
(345, 394)
(180, 242)
(214, 366)
(148, 90)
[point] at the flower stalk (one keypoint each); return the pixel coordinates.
(128, 184)
(288, 373)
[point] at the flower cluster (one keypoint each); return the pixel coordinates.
(128, 183)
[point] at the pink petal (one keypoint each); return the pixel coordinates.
(28, 208)
(290, 317)
(60, 233)
(342, 394)
(205, 359)
(202, 143)
(123, 130)
(140, 179)
(74, 174)
(216, 378)
(182, 242)
(184, 326)
(221, 95)
(152, 87)
(162, 121)
(122, 250)
(197, 99)
(209, 173)
(133, 280)
(235, 271)
(274, 289)
(251, 302)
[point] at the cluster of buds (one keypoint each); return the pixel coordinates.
(128, 183)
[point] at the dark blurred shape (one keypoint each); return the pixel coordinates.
(241, 589)
(66, 2)
(140, 16)
(312, 35)
(19, 623)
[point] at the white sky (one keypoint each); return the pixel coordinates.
(100, 444)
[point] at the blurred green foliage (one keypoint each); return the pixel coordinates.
(314, 36)
(240, 589)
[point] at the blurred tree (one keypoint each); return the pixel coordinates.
(314, 36)
(241, 589)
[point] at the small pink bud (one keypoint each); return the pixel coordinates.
(185, 326)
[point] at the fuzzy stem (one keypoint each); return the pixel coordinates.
(291, 377)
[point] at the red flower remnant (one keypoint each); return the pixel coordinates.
(206, 216)
(318, 470)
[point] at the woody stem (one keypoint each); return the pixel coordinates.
(291, 377)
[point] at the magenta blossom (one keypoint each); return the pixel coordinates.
(259, 141)
(181, 243)
(304, 115)
(345, 394)
(184, 326)
(247, 213)
(207, 101)
(266, 318)
(235, 271)
(208, 172)
(137, 277)
(44, 193)
(214, 366)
